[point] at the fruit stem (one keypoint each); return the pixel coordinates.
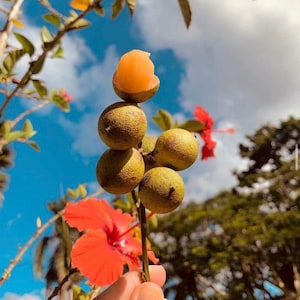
(144, 234)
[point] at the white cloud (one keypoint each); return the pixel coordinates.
(96, 94)
(241, 61)
(13, 296)
(84, 78)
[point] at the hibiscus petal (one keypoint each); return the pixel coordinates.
(90, 213)
(132, 248)
(208, 149)
(101, 263)
(121, 220)
(204, 117)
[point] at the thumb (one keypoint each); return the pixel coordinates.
(147, 291)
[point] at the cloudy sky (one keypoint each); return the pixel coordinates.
(240, 60)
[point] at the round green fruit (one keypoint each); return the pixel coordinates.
(122, 125)
(146, 147)
(119, 172)
(161, 190)
(176, 148)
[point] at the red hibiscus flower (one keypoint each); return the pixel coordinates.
(107, 243)
(209, 144)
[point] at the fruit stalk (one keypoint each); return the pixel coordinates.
(144, 233)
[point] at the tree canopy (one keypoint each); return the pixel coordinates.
(244, 242)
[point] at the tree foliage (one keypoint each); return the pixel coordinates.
(243, 243)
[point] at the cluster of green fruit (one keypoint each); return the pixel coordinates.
(137, 160)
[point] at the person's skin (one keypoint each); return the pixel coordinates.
(130, 286)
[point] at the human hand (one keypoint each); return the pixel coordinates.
(130, 287)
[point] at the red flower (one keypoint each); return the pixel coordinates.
(107, 244)
(68, 98)
(209, 144)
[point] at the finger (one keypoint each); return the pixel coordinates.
(157, 274)
(125, 285)
(147, 291)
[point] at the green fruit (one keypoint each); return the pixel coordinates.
(122, 125)
(119, 172)
(161, 190)
(147, 146)
(176, 148)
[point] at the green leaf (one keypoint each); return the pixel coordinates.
(14, 135)
(53, 19)
(40, 88)
(122, 204)
(60, 101)
(34, 145)
(186, 11)
(28, 129)
(72, 193)
(82, 190)
(116, 7)
(163, 119)
(192, 126)
(131, 6)
(81, 23)
(5, 128)
(27, 126)
(26, 44)
(71, 24)
(100, 10)
(59, 52)
(11, 58)
(37, 65)
(47, 36)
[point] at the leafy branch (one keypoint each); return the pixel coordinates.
(41, 229)
(7, 272)
(49, 43)
(11, 16)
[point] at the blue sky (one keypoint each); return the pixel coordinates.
(239, 60)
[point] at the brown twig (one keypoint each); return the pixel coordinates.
(36, 235)
(22, 250)
(27, 76)
(52, 9)
(13, 13)
(144, 232)
(57, 289)
(28, 112)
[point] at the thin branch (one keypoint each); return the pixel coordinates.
(52, 9)
(27, 76)
(14, 11)
(57, 289)
(17, 259)
(144, 233)
(4, 10)
(7, 272)
(28, 112)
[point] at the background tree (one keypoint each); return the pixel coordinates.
(243, 243)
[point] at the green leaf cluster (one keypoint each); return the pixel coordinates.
(24, 135)
(165, 121)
